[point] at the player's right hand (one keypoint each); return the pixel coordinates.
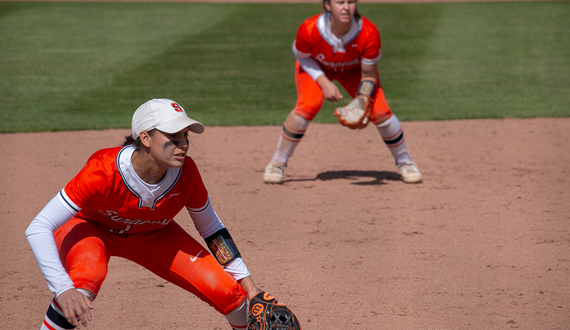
(76, 307)
(330, 90)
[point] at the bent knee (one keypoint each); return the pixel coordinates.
(87, 264)
(307, 114)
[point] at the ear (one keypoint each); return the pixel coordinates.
(145, 139)
(327, 5)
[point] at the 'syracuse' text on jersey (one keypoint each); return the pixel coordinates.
(360, 44)
(108, 193)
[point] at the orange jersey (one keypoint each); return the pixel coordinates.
(362, 44)
(108, 193)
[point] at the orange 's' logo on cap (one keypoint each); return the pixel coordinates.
(176, 107)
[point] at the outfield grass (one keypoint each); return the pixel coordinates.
(67, 66)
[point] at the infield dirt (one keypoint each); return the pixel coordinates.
(483, 243)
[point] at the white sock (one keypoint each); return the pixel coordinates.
(391, 132)
(238, 318)
(292, 132)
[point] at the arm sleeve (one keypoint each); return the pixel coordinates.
(40, 237)
(311, 67)
(206, 220)
(237, 269)
(208, 223)
(308, 63)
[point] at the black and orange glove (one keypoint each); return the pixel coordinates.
(266, 314)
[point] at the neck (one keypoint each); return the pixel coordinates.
(147, 168)
(339, 29)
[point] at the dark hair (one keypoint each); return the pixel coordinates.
(356, 14)
(137, 143)
(130, 140)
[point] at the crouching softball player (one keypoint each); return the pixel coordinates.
(122, 203)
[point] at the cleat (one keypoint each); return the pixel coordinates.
(409, 172)
(274, 173)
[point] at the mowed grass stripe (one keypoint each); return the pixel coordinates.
(54, 54)
(66, 66)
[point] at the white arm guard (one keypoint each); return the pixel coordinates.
(40, 237)
(206, 220)
(311, 67)
(308, 63)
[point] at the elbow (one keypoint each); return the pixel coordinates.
(35, 227)
(28, 231)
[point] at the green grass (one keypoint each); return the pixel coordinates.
(67, 66)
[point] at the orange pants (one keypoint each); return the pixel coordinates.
(310, 97)
(171, 253)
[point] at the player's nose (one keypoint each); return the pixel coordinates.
(183, 143)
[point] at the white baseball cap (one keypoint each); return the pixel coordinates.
(165, 115)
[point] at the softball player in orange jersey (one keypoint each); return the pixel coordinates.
(340, 45)
(122, 203)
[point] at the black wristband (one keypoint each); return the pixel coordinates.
(366, 87)
(222, 246)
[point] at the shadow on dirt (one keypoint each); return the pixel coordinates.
(377, 177)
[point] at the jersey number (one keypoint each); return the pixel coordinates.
(123, 230)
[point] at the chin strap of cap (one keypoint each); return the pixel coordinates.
(222, 246)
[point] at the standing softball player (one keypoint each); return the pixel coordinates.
(340, 45)
(122, 203)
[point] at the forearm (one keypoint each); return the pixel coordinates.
(208, 223)
(206, 220)
(249, 286)
(369, 73)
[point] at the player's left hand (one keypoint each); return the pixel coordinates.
(265, 313)
(356, 114)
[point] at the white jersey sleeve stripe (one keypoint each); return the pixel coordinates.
(372, 61)
(201, 209)
(308, 63)
(299, 54)
(68, 203)
(206, 220)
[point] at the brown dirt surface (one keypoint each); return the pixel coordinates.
(483, 243)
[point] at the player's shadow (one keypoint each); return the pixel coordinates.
(362, 178)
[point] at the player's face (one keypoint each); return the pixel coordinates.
(170, 149)
(342, 11)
